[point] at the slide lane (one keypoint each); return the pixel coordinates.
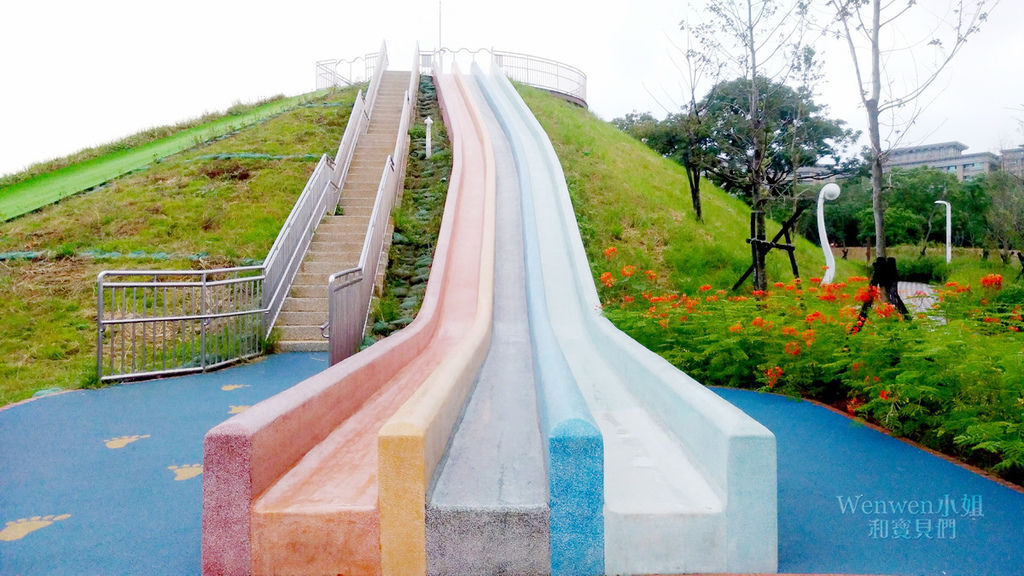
(487, 509)
(689, 479)
(413, 441)
(573, 446)
(291, 485)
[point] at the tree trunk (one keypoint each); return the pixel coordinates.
(756, 167)
(693, 179)
(874, 133)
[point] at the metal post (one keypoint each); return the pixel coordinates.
(428, 122)
(949, 230)
(828, 192)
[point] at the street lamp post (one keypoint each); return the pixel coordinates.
(829, 191)
(949, 230)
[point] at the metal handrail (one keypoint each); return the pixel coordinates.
(350, 291)
(175, 326)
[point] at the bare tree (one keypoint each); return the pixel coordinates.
(861, 23)
(755, 38)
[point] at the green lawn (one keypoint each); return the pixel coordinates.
(52, 186)
(218, 204)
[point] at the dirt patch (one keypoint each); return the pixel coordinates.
(225, 170)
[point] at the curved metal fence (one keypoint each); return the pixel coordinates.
(557, 77)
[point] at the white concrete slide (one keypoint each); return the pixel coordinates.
(690, 480)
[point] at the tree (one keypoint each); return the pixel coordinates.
(1006, 213)
(861, 23)
(756, 39)
(794, 133)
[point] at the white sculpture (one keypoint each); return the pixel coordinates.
(829, 191)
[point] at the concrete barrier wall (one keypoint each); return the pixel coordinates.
(574, 449)
(413, 441)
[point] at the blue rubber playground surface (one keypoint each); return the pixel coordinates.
(109, 482)
(110, 479)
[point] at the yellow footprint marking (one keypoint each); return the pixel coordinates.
(186, 471)
(122, 441)
(237, 409)
(230, 387)
(18, 529)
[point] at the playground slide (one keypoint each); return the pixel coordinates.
(291, 485)
(690, 481)
(488, 509)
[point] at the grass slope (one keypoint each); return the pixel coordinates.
(49, 187)
(219, 204)
(628, 197)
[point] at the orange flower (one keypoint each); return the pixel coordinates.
(857, 279)
(866, 294)
(772, 376)
(627, 299)
(651, 275)
(815, 280)
(788, 331)
(884, 395)
(628, 271)
(809, 337)
(780, 285)
(760, 293)
(607, 279)
(610, 252)
(993, 281)
(853, 404)
(736, 328)
(705, 288)
(991, 320)
(758, 321)
(792, 348)
(885, 310)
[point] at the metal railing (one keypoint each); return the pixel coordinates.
(160, 322)
(340, 73)
(350, 291)
(544, 73)
(175, 321)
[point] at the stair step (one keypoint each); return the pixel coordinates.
(317, 305)
(308, 291)
(302, 318)
(325, 268)
(321, 345)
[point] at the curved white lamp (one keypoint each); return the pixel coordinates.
(829, 191)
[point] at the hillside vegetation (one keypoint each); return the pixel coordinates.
(627, 197)
(218, 204)
(951, 377)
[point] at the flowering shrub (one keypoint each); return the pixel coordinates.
(952, 379)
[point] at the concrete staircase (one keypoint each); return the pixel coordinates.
(339, 238)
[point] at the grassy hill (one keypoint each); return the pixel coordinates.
(627, 196)
(221, 203)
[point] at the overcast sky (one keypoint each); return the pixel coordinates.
(75, 74)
